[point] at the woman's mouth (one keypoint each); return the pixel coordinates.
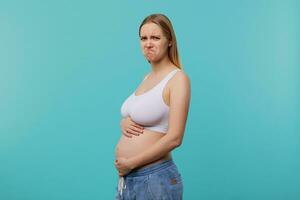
(149, 52)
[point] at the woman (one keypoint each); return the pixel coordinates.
(154, 118)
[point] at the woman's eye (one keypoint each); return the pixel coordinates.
(156, 38)
(142, 38)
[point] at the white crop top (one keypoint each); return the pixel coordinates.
(149, 109)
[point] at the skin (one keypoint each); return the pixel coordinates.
(150, 147)
(130, 128)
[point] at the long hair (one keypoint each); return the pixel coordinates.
(165, 24)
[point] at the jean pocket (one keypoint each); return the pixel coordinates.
(167, 184)
(173, 176)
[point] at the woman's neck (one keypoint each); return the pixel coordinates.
(162, 66)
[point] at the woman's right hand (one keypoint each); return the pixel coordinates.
(130, 128)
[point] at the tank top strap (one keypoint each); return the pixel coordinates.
(167, 78)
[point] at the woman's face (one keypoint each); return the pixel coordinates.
(154, 43)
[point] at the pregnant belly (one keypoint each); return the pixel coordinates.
(128, 147)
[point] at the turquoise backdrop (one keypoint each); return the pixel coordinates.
(67, 66)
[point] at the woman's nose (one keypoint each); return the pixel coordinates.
(148, 43)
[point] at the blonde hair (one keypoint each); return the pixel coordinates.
(165, 24)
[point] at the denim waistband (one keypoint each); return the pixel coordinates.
(151, 169)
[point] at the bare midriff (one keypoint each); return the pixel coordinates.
(129, 147)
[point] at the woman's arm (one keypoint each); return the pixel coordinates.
(178, 112)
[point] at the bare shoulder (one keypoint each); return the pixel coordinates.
(181, 75)
(180, 80)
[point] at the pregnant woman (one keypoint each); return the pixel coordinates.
(154, 119)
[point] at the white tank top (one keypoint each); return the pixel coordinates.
(149, 109)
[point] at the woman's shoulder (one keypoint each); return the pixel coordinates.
(181, 77)
(180, 82)
(180, 87)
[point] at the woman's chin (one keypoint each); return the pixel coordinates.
(151, 60)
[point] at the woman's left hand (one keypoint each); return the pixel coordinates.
(122, 165)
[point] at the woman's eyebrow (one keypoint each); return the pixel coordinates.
(152, 35)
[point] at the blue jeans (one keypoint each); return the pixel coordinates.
(160, 181)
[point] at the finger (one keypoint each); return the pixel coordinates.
(137, 130)
(126, 134)
(133, 132)
(133, 123)
(137, 126)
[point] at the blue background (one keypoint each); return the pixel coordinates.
(67, 66)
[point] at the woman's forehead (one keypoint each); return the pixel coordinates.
(151, 28)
